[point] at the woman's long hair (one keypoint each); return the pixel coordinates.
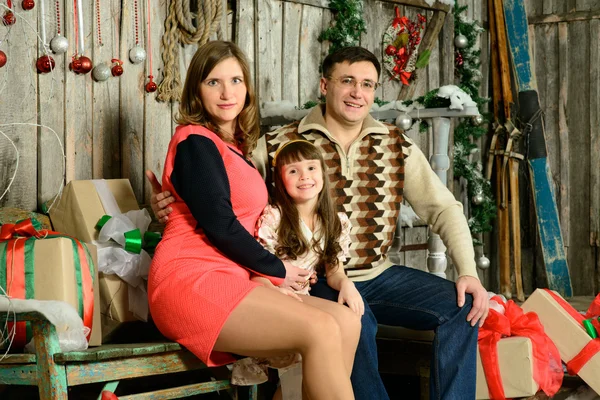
(292, 243)
(191, 109)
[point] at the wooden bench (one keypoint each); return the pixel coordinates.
(54, 372)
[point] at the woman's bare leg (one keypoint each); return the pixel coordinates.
(267, 323)
(349, 323)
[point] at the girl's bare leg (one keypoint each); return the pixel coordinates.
(267, 323)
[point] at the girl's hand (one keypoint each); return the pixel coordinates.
(160, 200)
(295, 278)
(350, 295)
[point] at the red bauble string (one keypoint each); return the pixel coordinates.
(150, 86)
(137, 23)
(98, 22)
(9, 17)
(57, 17)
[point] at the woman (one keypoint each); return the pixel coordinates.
(200, 291)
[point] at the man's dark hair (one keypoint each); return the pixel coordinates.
(349, 55)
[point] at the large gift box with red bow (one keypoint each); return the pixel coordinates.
(81, 207)
(41, 264)
(564, 325)
(516, 358)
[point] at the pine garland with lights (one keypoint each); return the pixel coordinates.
(348, 24)
(469, 79)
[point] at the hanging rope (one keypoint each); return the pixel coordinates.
(181, 29)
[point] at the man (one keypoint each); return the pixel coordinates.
(372, 167)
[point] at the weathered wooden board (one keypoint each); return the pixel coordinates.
(309, 54)
(51, 98)
(157, 121)
(292, 21)
(20, 89)
(78, 100)
(581, 255)
(268, 49)
(245, 32)
(377, 19)
(595, 136)
(106, 160)
(131, 111)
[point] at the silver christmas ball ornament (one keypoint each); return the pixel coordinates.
(101, 72)
(483, 262)
(477, 120)
(478, 198)
(404, 121)
(137, 54)
(59, 44)
(460, 41)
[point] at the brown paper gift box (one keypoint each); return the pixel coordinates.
(568, 335)
(515, 359)
(76, 214)
(54, 277)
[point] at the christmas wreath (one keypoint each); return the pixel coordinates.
(401, 42)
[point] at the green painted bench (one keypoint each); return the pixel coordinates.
(54, 372)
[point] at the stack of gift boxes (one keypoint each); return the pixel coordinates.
(62, 264)
(523, 350)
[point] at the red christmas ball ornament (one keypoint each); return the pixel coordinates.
(151, 87)
(28, 4)
(9, 18)
(390, 50)
(75, 65)
(2, 59)
(44, 64)
(117, 69)
(86, 65)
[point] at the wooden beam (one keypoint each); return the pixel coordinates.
(437, 6)
(565, 17)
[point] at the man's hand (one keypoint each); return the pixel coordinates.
(481, 304)
(159, 200)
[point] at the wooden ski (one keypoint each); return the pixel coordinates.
(548, 224)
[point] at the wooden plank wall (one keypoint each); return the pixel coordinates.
(107, 129)
(114, 129)
(565, 46)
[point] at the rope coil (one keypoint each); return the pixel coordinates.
(181, 29)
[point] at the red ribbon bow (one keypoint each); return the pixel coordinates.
(403, 21)
(547, 369)
(593, 347)
(16, 237)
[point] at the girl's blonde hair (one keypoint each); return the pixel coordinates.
(191, 109)
(292, 243)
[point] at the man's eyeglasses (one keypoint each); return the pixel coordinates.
(347, 81)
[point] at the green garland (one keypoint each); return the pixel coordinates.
(348, 25)
(468, 76)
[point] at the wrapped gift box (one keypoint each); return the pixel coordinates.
(54, 277)
(567, 333)
(77, 213)
(515, 359)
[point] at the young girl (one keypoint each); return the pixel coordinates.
(303, 228)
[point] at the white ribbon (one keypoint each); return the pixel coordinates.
(114, 259)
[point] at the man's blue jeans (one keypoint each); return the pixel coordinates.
(414, 299)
